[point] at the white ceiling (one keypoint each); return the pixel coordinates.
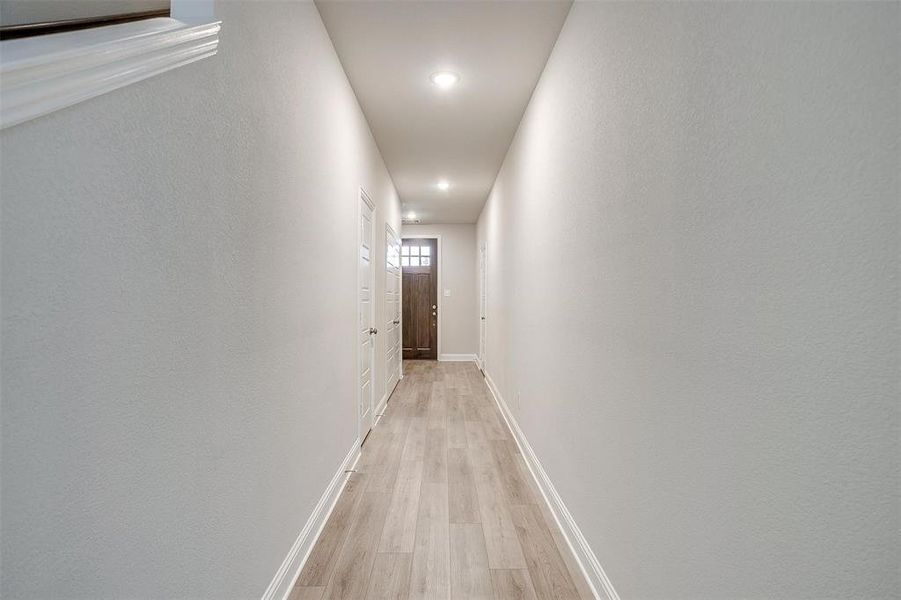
(389, 49)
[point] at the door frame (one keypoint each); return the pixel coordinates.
(362, 196)
(425, 236)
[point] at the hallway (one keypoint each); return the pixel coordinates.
(441, 505)
(543, 299)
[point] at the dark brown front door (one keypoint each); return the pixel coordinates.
(419, 259)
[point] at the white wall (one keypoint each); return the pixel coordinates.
(458, 265)
(178, 318)
(693, 282)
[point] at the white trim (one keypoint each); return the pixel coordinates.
(380, 408)
(435, 236)
(287, 573)
(42, 74)
(457, 357)
(587, 561)
(383, 404)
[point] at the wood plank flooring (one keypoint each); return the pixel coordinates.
(441, 507)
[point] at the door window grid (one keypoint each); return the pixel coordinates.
(416, 256)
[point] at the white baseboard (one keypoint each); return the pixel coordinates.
(588, 562)
(383, 403)
(456, 357)
(287, 574)
(380, 408)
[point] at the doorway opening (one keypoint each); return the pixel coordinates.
(420, 313)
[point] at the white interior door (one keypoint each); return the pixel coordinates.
(483, 304)
(392, 308)
(366, 330)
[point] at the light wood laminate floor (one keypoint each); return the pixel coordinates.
(442, 506)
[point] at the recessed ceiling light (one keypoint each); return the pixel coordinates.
(444, 79)
(411, 215)
(443, 185)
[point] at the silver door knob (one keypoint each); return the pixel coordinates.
(373, 331)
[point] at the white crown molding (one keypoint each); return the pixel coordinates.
(42, 74)
(588, 562)
(281, 585)
(457, 357)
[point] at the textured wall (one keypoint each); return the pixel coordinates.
(178, 318)
(693, 256)
(459, 312)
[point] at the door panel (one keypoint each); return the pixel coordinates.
(392, 308)
(483, 305)
(366, 329)
(422, 284)
(419, 259)
(407, 330)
